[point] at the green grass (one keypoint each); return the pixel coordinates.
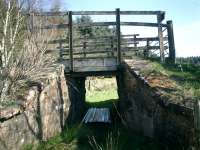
(107, 137)
(99, 96)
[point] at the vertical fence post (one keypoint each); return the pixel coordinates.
(61, 49)
(84, 49)
(134, 40)
(118, 34)
(111, 46)
(172, 50)
(70, 41)
(160, 17)
(197, 122)
(146, 50)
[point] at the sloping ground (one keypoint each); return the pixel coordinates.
(177, 83)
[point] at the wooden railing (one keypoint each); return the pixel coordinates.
(118, 44)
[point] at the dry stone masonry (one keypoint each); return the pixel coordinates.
(42, 115)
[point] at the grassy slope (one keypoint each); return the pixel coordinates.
(177, 82)
(187, 78)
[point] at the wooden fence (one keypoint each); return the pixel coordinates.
(113, 46)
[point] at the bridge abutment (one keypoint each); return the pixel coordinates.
(145, 111)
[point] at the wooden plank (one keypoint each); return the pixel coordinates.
(70, 41)
(118, 35)
(54, 26)
(94, 115)
(172, 50)
(94, 24)
(141, 12)
(92, 73)
(65, 25)
(92, 64)
(141, 48)
(93, 13)
(146, 24)
(108, 39)
(143, 39)
(91, 52)
(62, 13)
(160, 36)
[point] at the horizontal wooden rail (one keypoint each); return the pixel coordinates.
(94, 24)
(142, 48)
(54, 26)
(93, 12)
(141, 12)
(64, 26)
(62, 13)
(146, 24)
(124, 49)
(106, 40)
(143, 39)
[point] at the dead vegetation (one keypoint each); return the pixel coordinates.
(22, 50)
(178, 85)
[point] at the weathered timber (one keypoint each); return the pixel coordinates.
(118, 34)
(113, 13)
(143, 39)
(93, 13)
(63, 13)
(92, 64)
(97, 115)
(160, 36)
(106, 52)
(141, 12)
(113, 45)
(54, 26)
(108, 39)
(146, 24)
(60, 51)
(65, 25)
(94, 24)
(70, 41)
(92, 73)
(172, 51)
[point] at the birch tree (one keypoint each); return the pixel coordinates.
(11, 27)
(22, 52)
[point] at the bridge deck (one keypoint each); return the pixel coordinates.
(91, 64)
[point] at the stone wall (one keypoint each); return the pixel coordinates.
(41, 114)
(146, 112)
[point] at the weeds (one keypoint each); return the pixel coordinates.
(112, 142)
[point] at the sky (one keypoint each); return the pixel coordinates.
(184, 13)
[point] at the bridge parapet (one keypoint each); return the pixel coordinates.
(86, 51)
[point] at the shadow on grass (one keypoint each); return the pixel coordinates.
(108, 103)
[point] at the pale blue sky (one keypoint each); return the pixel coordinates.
(184, 13)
